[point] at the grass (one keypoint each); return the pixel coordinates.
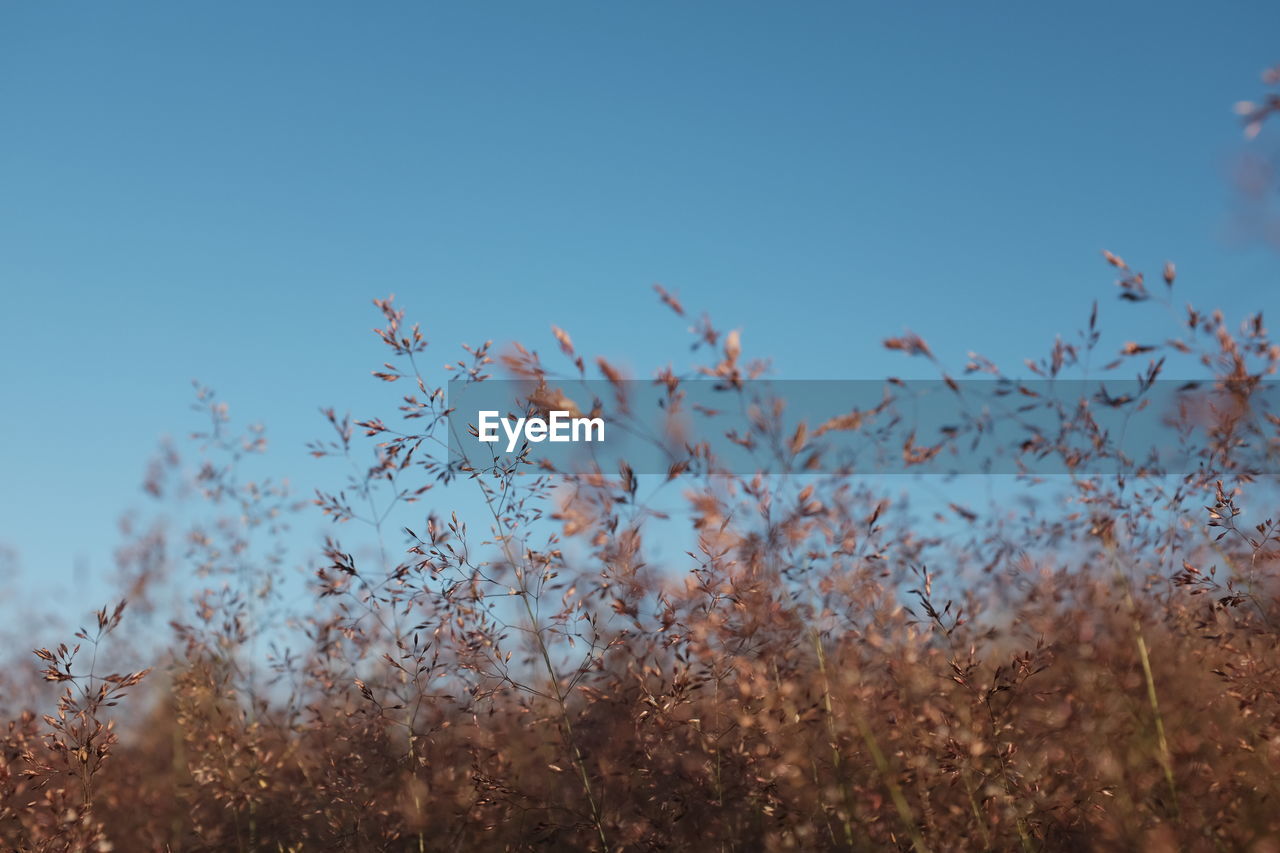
(824, 669)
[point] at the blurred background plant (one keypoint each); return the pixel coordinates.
(1094, 667)
(490, 655)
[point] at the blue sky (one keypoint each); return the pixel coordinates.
(216, 191)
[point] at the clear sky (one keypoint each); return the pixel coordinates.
(217, 190)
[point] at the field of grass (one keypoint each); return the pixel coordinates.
(1094, 666)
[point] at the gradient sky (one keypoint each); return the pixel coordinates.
(217, 190)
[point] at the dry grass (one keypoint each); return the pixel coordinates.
(1101, 674)
(823, 671)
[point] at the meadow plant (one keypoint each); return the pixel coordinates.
(492, 655)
